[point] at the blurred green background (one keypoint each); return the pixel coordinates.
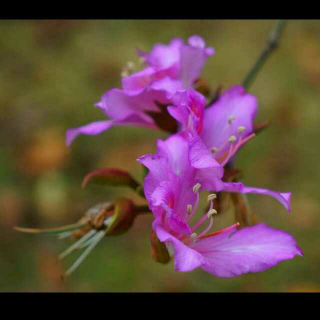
(51, 74)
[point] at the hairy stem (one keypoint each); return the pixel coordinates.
(272, 44)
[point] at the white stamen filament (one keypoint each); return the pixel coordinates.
(87, 243)
(106, 221)
(231, 140)
(194, 209)
(234, 149)
(204, 218)
(77, 244)
(97, 237)
(209, 215)
(64, 235)
(207, 228)
(90, 240)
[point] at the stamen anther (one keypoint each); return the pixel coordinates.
(232, 139)
(212, 196)
(189, 208)
(193, 236)
(214, 150)
(196, 187)
(241, 129)
(124, 73)
(211, 212)
(131, 66)
(231, 118)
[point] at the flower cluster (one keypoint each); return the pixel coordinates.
(169, 68)
(197, 157)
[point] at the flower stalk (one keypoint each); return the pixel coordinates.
(272, 44)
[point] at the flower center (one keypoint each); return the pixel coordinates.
(233, 141)
(191, 210)
(208, 216)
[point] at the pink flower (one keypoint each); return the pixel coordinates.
(172, 188)
(224, 126)
(218, 131)
(169, 68)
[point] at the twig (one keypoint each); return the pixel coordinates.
(270, 46)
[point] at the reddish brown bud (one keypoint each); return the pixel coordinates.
(110, 177)
(159, 251)
(124, 215)
(121, 213)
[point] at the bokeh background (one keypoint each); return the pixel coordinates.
(51, 74)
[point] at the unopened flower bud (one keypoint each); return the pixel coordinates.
(94, 218)
(104, 219)
(113, 218)
(159, 251)
(123, 217)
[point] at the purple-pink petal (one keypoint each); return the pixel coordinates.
(188, 109)
(185, 258)
(168, 85)
(216, 129)
(209, 173)
(118, 104)
(282, 197)
(164, 56)
(91, 129)
(251, 249)
(200, 157)
(175, 149)
(192, 61)
(158, 172)
(138, 81)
